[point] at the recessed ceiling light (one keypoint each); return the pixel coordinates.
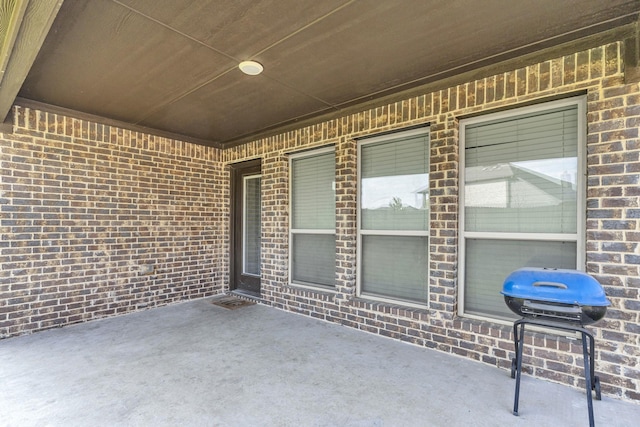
(251, 68)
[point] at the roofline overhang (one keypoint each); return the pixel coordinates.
(29, 22)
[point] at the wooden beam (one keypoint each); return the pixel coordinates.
(11, 14)
(30, 33)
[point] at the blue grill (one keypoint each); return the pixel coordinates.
(558, 299)
(555, 294)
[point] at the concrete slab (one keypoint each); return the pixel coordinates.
(198, 364)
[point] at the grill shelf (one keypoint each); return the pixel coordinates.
(558, 299)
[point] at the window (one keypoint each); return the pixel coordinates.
(251, 225)
(393, 223)
(313, 219)
(522, 198)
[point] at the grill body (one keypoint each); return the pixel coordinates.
(555, 294)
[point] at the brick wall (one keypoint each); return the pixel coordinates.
(98, 221)
(613, 218)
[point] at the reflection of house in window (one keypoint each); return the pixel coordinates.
(547, 193)
(499, 186)
(422, 196)
(389, 200)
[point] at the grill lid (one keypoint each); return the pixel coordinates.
(555, 285)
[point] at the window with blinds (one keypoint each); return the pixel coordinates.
(313, 219)
(393, 233)
(251, 223)
(521, 201)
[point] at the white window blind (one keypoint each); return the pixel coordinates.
(489, 262)
(313, 219)
(314, 259)
(252, 225)
(394, 217)
(395, 184)
(313, 196)
(395, 267)
(521, 174)
(520, 200)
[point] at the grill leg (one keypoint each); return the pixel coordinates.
(514, 361)
(588, 376)
(595, 381)
(592, 382)
(519, 341)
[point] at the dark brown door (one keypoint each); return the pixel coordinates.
(245, 228)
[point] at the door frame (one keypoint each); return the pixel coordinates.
(238, 170)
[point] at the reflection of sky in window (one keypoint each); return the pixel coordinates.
(380, 191)
(564, 168)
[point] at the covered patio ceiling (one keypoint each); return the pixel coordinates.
(170, 67)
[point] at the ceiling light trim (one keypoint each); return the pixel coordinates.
(251, 68)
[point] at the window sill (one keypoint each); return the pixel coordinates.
(298, 288)
(392, 308)
(485, 326)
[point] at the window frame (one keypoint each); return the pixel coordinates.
(293, 231)
(581, 195)
(422, 130)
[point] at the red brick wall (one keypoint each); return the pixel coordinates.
(98, 221)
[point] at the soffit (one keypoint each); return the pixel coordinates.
(171, 65)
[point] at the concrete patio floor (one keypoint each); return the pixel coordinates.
(198, 364)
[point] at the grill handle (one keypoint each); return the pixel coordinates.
(551, 284)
